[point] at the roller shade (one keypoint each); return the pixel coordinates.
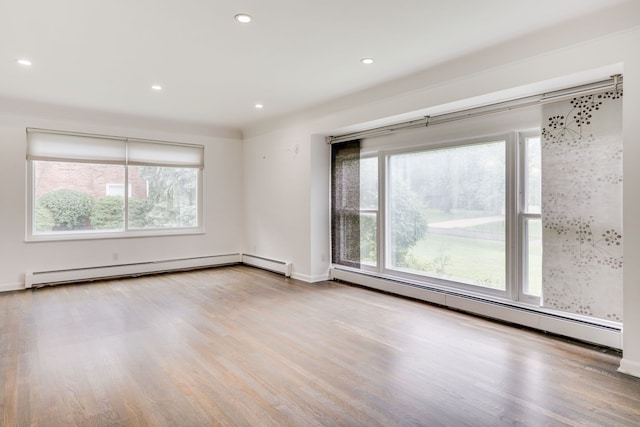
(157, 153)
(42, 145)
(85, 148)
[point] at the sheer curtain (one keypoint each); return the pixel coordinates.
(345, 203)
(582, 205)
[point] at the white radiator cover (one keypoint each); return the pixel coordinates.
(35, 278)
(38, 278)
(276, 266)
(610, 336)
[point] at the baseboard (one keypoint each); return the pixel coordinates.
(629, 367)
(310, 279)
(548, 322)
(8, 287)
(320, 278)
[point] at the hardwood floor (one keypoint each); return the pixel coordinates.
(236, 346)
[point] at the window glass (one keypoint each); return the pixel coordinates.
(446, 213)
(74, 197)
(532, 227)
(533, 262)
(369, 211)
(533, 187)
(163, 197)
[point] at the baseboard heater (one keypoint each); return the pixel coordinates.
(39, 278)
(273, 265)
(583, 329)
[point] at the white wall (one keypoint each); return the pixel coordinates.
(545, 61)
(222, 209)
(631, 201)
(277, 197)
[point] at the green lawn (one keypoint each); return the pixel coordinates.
(436, 215)
(464, 259)
(474, 260)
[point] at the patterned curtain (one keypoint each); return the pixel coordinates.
(582, 205)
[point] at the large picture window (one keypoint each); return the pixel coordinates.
(450, 214)
(96, 186)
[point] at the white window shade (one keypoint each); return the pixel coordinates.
(157, 153)
(44, 145)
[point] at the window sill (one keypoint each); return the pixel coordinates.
(92, 235)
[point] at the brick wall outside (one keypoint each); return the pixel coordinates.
(91, 178)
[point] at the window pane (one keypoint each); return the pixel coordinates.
(364, 225)
(368, 238)
(369, 203)
(73, 197)
(163, 197)
(446, 214)
(369, 183)
(532, 176)
(533, 261)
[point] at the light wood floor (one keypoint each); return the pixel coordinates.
(240, 346)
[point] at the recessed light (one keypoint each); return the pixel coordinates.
(156, 87)
(24, 62)
(367, 61)
(243, 17)
(259, 106)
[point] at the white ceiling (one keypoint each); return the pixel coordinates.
(104, 55)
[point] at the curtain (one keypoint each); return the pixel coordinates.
(582, 205)
(345, 203)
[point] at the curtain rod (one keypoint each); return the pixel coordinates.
(614, 82)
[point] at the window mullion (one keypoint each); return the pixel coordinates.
(126, 197)
(382, 212)
(513, 197)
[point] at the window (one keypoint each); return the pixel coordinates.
(77, 186)
(446, 215)
(530, 217)
(442, 214)
(369, 211)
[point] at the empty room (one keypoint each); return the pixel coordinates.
(319, 213)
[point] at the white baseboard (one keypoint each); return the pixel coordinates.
(320, 278)
(629, 367)
(276, 266)
(8, 287)
(512, 313)
(301, 277)
(310, 279)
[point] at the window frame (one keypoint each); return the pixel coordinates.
(126, 232)
(447, 284)
(523, 217)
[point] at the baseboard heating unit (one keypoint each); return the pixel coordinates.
(273, 265)
(38, 278)
(582, 328)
